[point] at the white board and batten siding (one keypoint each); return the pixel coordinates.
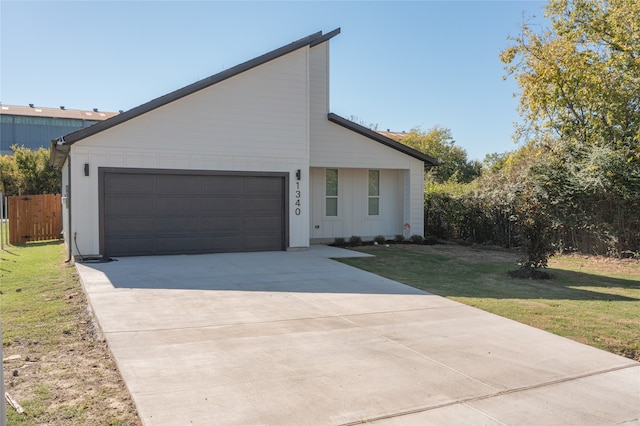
(352, 215)
(332, 146)
(401, 210)
(256, 121)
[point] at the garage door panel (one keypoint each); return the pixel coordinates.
(262, 204)
(222, 185)
(179, 184)
(221, 204)
(222, 224)
(171, 213)
(176, 245)
(127, 225)
(256, 223)
(178, 205)
(130, 246)
(258, 242)
(221, 244)
(178, 225)
(130, 206)
(124, 183)
(261, 186)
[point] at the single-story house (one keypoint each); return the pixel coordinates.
(249, 159)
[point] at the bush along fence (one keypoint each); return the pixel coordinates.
(606, 228)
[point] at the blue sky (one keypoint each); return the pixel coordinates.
(398, 65)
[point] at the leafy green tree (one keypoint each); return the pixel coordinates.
(531, 211)
(358, 120)
(580, 79)
(9, 181)
(27, 172)
(494, 162)
(454, 163)
(580, 103)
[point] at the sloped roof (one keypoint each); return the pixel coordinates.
(372, 134)
(60, 147)
(311, 40)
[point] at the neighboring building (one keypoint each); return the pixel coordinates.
(249, 159)
(396, 136)
(33, 127)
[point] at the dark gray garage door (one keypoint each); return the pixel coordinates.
(153, 212)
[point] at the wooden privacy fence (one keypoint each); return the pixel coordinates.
(34, 218)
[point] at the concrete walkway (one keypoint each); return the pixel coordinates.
(294, 338)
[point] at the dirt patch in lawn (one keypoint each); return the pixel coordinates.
(599, 263)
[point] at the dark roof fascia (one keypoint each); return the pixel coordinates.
(350, 125)
(325, 37)
(311, 40)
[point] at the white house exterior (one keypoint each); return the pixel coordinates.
(248, 159)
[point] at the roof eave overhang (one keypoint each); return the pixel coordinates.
(58, 152)
(350, 125)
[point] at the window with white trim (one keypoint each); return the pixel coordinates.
(374, 193)
(331, 192)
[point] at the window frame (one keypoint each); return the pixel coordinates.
(375, 196)
(332, 196)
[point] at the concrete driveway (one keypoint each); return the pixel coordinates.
(294, 338)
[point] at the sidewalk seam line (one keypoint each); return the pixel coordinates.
(235, 324)
(465, 401)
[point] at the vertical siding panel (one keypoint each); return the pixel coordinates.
(133, 159)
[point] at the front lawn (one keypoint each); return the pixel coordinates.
(591, 300)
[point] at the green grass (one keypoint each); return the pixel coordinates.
(34, 285)
(63, 371)
(4, 226)
(590, 302)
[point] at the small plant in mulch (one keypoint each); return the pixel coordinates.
(528, 270)
(416, 239)
(430, 240)
(355, 240)
(530, 273)
(339, 242)
(379, 239)
(399, 239)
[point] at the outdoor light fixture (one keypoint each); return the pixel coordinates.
(86, 169)
(298, 174)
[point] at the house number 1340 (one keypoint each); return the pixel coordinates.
(297, 203)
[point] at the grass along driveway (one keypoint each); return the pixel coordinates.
(591, 300)
(58, 369)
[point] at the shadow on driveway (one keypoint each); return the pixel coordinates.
(295, 271)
